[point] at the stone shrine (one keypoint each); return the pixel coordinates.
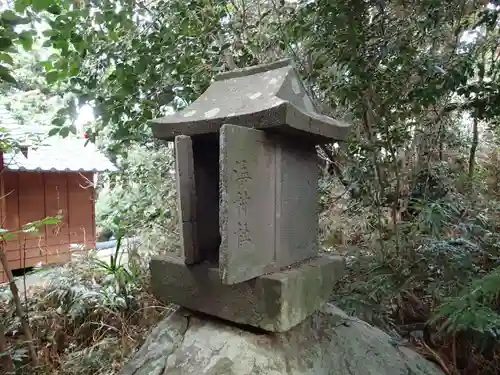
(247, 187)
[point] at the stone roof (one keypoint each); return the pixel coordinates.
(50, 154)
(269, 97)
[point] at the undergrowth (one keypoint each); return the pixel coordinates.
(441, 290)
(85, 320)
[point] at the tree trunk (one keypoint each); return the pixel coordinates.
(6, 364)
(379, 182)
(441, 140)
(19, 308)
(473, 148)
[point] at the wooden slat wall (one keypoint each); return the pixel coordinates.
(10, 216)
(81, 208)
(32, 196)
(56, 203)
(31, 208)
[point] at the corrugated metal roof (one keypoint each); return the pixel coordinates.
(52, 154)
(56, 154)
(6, 118)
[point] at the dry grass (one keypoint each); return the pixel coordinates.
(401, 296)
(80, 324)
(401, 293)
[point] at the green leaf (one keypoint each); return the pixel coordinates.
(39, 5)
(64, 132)
(72, 129)
(54, 9)
(50, 32)
(58, 121)
(5, 57)
(26, 38)
(21, 5)
(7, 236)
(53, 131)
(51, 220)
(47, 65)
(5, 43)
(74, 67)
(10, 16)
(6, 76)
(52, 77)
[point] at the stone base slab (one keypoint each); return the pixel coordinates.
(274, 302)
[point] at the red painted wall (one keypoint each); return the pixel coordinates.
(31, 196)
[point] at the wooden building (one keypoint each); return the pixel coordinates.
(54, 176)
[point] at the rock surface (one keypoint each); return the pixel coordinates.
(328, 343)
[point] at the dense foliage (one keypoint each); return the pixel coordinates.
(412, 197)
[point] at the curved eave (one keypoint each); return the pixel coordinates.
(283, 117)
(168, 127)
(316, 125)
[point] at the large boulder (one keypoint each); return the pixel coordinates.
(328, 343)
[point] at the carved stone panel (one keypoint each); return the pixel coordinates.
(247, 203)
(269, 208)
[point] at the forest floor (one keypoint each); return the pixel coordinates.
(44, 274)
(103, 312)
